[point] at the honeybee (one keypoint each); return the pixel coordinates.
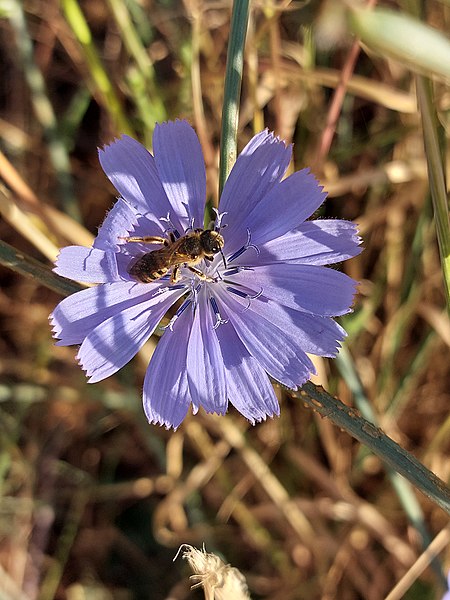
(187, 251)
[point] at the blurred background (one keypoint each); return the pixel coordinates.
(94, 501)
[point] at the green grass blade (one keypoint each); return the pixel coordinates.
(232, 91)
(102, 87)
(155, 109)
(73, 116)
(26, 265)
(436, 175)
(44, 110)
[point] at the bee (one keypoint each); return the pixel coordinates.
(186, 251)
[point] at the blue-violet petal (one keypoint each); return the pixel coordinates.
(181, 169)
(244, 375)
(166, 388)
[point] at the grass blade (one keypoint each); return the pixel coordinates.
(232, 92)
(100, 80)
(26, 265)
(436, 175)
(44, 110)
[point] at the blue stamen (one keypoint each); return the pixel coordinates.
(234, 271)
(191, 225)
(245, 247)
(237, 254)
(237, 292)
(246, 295)
(214, 305)
(219, 216)
(216, 311)
(179, 312)
(257, 295)
(171, 227)
(183, 307)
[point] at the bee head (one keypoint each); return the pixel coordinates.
(212, 242)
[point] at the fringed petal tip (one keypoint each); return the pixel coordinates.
(79, 361)
(353, 230)
(55, 264)
(357, 239)
(275, 139)
(332, 353)
(161, 423)
(106, 145)
(351, 308)
(91, 378)
(262, 418)
(173, 123)
(266, 136)
(253, 420)
(167, 423)
(220, 411)
(52, 322)
(313, 180)
(264, 409)
(89, 373)
(57, 330)
(171, 426)
(56, 333)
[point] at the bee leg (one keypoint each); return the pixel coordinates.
(152, 239)
(201, 275)
(176, 275)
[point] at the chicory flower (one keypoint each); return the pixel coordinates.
(256, 308)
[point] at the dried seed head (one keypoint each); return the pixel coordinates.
(219, 580)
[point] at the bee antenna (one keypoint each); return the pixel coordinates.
(223, 258)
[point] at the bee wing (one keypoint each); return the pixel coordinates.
(174, 254)
(178, 258)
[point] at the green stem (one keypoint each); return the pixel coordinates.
(402, 488)
(26, 265)
(232, 91)
(377, 441)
